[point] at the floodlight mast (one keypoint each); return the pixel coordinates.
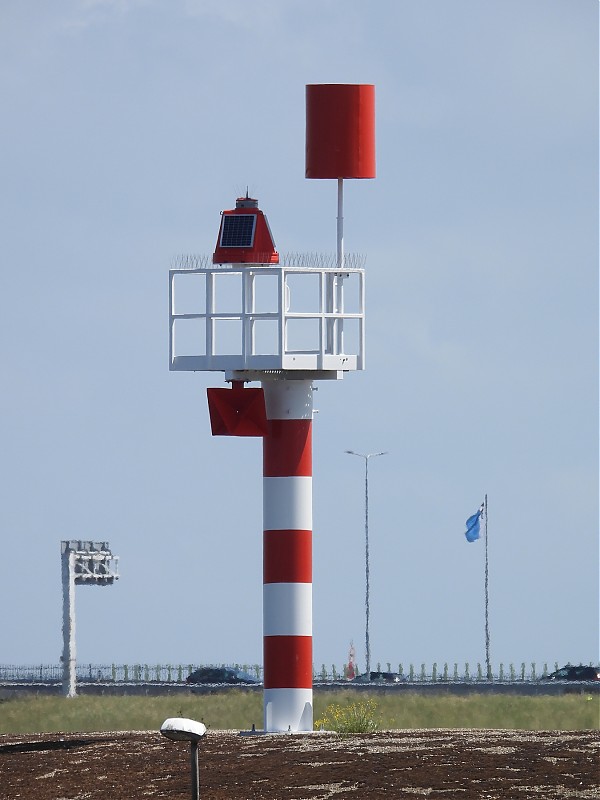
(287, 350)
(83, 563)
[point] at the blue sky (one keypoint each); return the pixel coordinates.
(128, 125)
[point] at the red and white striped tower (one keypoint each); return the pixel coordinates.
(287, 555)
(286, 346)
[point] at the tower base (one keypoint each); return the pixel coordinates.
(288, 710)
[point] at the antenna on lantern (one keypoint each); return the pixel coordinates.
(340, 138)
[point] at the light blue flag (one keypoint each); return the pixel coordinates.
(472, 532)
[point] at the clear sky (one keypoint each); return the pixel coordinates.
(127, 127)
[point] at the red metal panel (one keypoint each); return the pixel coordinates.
(287, 556)
(340, 130)
(287, 448)
(237, 412)
(287, 662)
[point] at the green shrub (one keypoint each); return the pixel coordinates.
(357, 717)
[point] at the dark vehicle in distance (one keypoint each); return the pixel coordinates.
(220, 675)
(379, 677)
(571, 673)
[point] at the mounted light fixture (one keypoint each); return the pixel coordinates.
(181, 729)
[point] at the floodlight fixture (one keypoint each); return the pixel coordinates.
(181, 729)
(83, 563)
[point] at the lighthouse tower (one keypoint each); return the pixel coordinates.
(283, 323)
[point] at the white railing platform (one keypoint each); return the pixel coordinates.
(293, 317)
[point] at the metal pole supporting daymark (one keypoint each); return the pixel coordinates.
(340, 223)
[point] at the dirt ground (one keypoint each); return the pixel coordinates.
(482, 764)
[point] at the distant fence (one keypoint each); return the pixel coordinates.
(177, 673)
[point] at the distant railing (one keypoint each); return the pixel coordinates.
(177, 673)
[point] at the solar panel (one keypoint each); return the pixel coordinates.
(238, 230)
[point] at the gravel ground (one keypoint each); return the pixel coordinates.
(482, 764)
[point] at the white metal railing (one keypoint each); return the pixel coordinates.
(266, 317)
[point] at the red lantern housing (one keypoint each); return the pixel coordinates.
(245, 236)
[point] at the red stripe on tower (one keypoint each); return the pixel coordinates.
(287, 557)
(287, 577)
(287, 449)
(290, 657)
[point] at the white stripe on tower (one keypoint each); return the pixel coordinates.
(287, 556)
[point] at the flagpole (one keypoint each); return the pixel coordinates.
(487, 622)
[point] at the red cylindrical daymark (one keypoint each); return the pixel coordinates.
(340, 130)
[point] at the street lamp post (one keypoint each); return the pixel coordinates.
(366, 457)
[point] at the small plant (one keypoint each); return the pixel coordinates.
(355, 718)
